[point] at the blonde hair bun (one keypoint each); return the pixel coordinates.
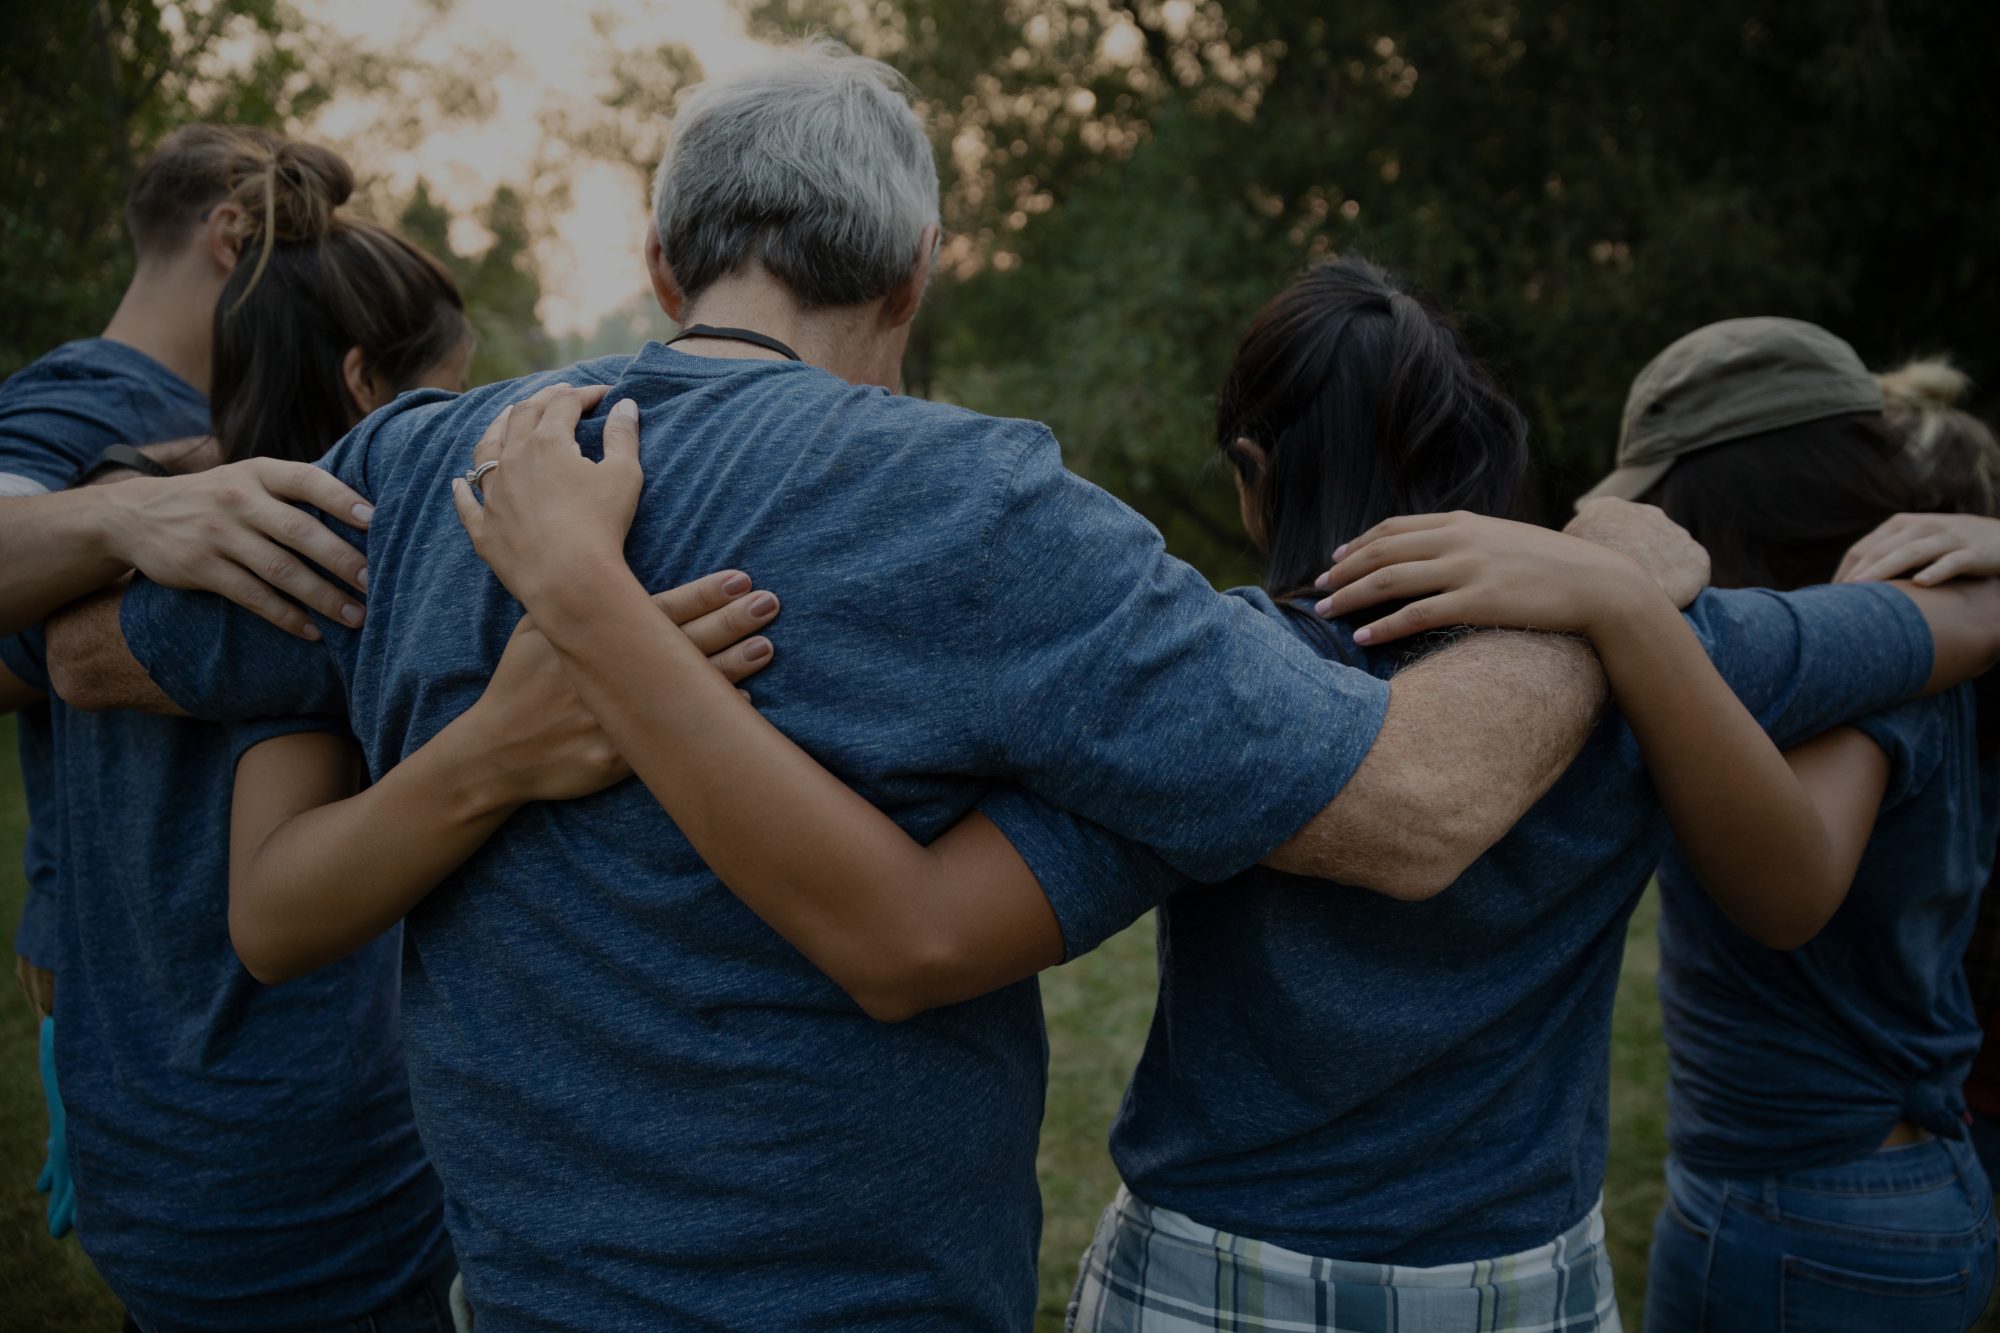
(1928, 384)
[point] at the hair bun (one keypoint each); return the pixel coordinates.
(292, 194)
(1929, 385)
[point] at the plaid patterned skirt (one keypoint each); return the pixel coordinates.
(1151, 1270)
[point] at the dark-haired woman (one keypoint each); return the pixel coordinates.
(1820, 1174)
(245, 1158)
(1349, 1106)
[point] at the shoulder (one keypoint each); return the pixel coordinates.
(425, 423)
(1331, 639)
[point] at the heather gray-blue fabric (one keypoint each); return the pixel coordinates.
(57, 415)
(245, 1156)
(1781, 1061)
(1426, 1083)
(649, 1110)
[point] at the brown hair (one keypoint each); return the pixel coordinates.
(322, 282)
(1953, 450)
(197, 167)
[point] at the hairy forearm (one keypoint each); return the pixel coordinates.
(881, 915)
(329, 880)
(54, 549)
(1748, 827)
(90, 666)
(1474, 735)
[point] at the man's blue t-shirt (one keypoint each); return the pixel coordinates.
(1345, 1075)
(1782, 1060)
(647, 1108)
(56, 416)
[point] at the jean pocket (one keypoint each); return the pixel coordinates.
(1818, 1298)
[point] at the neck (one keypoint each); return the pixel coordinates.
(170, 316)
(850, 342)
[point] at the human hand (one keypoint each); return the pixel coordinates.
(54, 1179)
(1467, 569)
(233, 530)
(1939, 547)
(534, 733)
(38, 984)
(1662, 547)
(546, 517)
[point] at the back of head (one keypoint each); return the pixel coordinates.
(1954, 452)
(811, 163)
(310, 284)
(197, 167)
(1367, 404)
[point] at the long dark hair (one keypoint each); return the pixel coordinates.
(1367, 404)
(309, 284)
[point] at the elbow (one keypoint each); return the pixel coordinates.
(1429, 857)
(896, 984)
(264, 962)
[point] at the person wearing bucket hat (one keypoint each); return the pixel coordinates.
(1819, 1171)
(1729, 381)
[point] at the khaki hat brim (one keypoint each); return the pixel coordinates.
(1629, 482)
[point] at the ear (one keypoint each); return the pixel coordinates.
(362, 386)
(222, 236)
(900, 306)
(1251, 460)
(666, 290)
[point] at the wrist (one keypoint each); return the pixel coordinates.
(580, 592)
(473, 779)
(1630, 598)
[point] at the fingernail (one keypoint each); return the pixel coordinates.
(756, 650)
(361, 579)
(312, 631)
(351, 614)
(763, 604)
(627, 409)
(1363, 635)
(364, 514)
(736, 585)
(1323, 579)
(1339, 551)
(1325, 606)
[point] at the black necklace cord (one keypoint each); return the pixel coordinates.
(751, 336)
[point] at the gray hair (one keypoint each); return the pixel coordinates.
(812, 162)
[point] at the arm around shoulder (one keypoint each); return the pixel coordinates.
(90, 665)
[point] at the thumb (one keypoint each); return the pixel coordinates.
(621, 433)
(471, 515)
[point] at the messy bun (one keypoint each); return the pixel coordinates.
(290, 195)
(1953, 450)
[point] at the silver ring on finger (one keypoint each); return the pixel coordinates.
(476, 475)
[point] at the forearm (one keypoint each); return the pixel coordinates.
(1964, 621)
(1747, 826)
(328, 880)
(54, 548)
(835, 876)
(1474, 736)
(90, 665)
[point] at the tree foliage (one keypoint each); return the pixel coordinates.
(1583, 181)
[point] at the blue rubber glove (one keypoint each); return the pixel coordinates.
(54, 1180)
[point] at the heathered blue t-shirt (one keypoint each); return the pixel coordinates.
(56, 416)
(245, 1156)
(647, 1108)
(1349, 1076)
(1782, 1060)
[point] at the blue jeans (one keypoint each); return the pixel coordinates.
(1902, 1240)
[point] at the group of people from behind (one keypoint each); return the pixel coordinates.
(435, 933)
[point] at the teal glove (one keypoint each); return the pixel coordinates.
(54, 1180)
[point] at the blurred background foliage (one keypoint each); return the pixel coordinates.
(1583, 180)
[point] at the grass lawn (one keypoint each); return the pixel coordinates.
(1098, 1009)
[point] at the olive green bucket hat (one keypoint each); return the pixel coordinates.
(1730, 380)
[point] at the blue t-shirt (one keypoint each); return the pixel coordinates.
(648, 1109)
(56, 416)
(1428, 1083)
(1781, 1060)
(245, 1157)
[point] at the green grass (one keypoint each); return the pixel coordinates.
(1098, 1009)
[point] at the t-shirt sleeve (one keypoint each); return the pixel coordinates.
(1097, 882)
(222, 663)
(1915, 737)
(1805, 661)
(247, 736)
(31, 461)
(1120, 686)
